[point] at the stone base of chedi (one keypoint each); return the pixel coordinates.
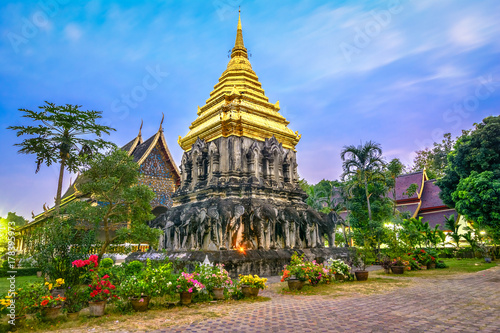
(239, 193)
(260, 262)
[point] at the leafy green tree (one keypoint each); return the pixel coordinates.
(16, 221)
(62, 240)
(61, 135)
(361, 163)
(394, 169)
(471, 183)
(434, 160)
(120, 207)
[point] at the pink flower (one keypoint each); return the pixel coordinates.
(190, 290)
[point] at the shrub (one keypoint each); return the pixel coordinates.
(107, 263)
(134, 267)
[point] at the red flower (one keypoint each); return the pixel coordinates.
(112, 287)
(105, 276)
(44, 302)
(106, 291)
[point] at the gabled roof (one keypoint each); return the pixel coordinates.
(136, 148)
(404, 181)
(430, 196)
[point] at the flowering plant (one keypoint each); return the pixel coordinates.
(101, 288)
(51, 301)
(338, 266)
(76, 298)
(187, 283)
(138, 286)
(297, 268)
(253, 281)
(314, 272)
(54, 285)
(215, 276)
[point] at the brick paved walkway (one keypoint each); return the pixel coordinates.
(465, 303)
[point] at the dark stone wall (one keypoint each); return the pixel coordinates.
(260, 262)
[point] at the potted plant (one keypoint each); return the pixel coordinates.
(339, 268)
(138, 290)
(422, 257)
(217, 281)
(187, 284)
(251, 284)
(363, 257)
(295, 272)
(56, 288)
(398, 266)
(51, 306)
(100, 288)
(76, 298)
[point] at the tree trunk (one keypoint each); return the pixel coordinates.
(368, 199)
(59, 186)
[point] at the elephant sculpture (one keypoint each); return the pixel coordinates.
(290, 223)
(263, 221)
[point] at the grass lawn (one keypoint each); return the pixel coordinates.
(5, 284)
(456, 266)
(345, 289)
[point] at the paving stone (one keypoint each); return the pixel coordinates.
(463, 303)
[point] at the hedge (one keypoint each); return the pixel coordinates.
(19, 272)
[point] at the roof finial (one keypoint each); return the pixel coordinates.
(239, 48)
(162, 117)
(140, 128)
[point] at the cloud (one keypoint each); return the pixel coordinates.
(73, 32)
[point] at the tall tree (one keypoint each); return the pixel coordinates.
(61, 135)
(394, 169)
(362, 162)
(434, 159)
(471, 183)
(121, 207)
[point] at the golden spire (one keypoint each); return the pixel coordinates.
(239, 47)
(238, 106)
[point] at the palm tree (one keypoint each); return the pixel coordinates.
(61, 136)
(452, 224)
(363, 162)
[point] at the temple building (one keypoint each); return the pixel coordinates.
(425, 201)
(239, 182)
(157, 168)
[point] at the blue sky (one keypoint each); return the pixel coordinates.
(400, 73)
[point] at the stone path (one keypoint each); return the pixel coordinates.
(464, 303)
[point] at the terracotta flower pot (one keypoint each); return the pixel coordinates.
(51, 313)
(97, 309)
(295, 284)
(431, 265)
(218, 293)
(423, 268)
(140, 304)
(398, 269)
(250, 291)
(186, 297)
(73, 315)
(361, 275)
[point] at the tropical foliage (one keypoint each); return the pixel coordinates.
(61, 135)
